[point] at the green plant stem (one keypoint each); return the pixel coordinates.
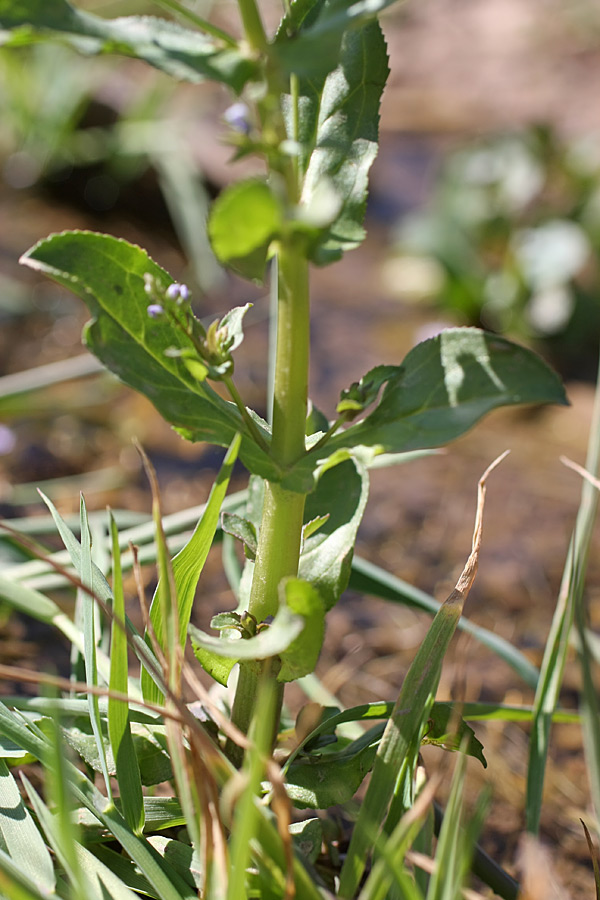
(290, 394)
(253, 26)
(330, 432)
(251, 426)
(280, 534)
(281, 527)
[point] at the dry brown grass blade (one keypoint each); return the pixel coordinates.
(27, 676)
(467, 576)
(580, 471)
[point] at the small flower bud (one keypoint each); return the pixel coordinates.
(155, 310)
(238, 116)
(179, 292)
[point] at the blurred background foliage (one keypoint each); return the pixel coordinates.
(510, 241)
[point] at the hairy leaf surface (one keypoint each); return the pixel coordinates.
(339, 126)
(311, 33)
(335, 121)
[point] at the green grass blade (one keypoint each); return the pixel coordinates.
(446, 878)
(371, 579)
(47, 706)
(22, 838)
(14, 885)
(123, 869)
(40, 574)
(112, 885)
(166, 607)
(389, 867)
(81, 888)
(102, 591)
(89, 637)
(590, 715)
(119, 731)
(99, 584)
(32, 603)
(407, 721)
(64, 830)
(164, 879)
(410, 713)
(569, 599)
(188, 565)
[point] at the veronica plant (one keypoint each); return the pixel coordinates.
(306, 101)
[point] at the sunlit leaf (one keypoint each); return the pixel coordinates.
(443, 387)
(108, 274)
(243, 222)
(341, 494)
(184, 54)
(301, 656)
(21, 836)
(188, 566)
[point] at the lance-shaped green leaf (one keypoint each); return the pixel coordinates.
(188, 566)
(184, 54)
(243, 222)
(108, 274)
(326, 559)
(119, 728)
(345, 141)
(310, 34)
(334, 120)
(444, 386)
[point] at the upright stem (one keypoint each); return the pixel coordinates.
(280, 535)
(278, 551)
(253, 26)
(281, 528)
